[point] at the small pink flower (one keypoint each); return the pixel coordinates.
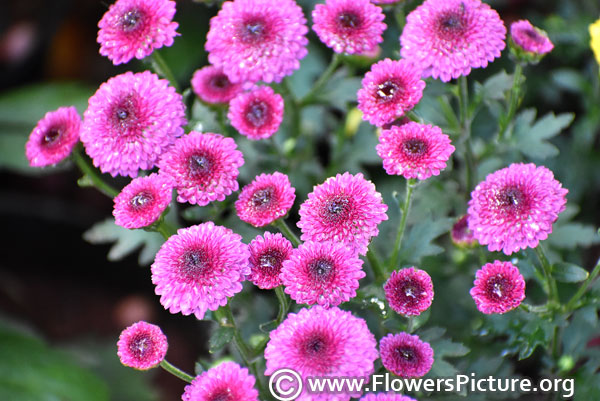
(266, 199)
(267, 255)
(530, 38)
(212, 85)
(406, 355)
(256, 114)
(461, 234)
(386, 396)
(409, 291)
(226, 382)
(499, 287)
(142, 346)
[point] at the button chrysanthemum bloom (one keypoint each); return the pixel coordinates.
(142, 201)
(199, 268)
(322, 342)
(212, 85)
(499, 287)
(266, 199)
(414, 150)
(142, 346)
(461, 235)
(267, 254)
(204, 167)
(595, 39)
(256, 114)
(530, 38)
(130, 121)
(54, 137)
(409, 291)
(406, 355)
(227, 381)
(389, 90)
(514, 207)
(345, 208)
(324, 273)
(386, 397)
(349, 26)
(257, 40)
(446, 38)
(134, 28)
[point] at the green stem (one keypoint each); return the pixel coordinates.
(175, 371)
(92, 173)
(222, 120)
(287, 231)
(513, 101)
(583, 288)
(310, 97)
(162, 68)
(400, 15)
(165, 229)
(411, 324)
(376, 266)
(550, 282)
(465, 123)
(410, 184)
(283, 304)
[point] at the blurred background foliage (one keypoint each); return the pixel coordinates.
(63, 304)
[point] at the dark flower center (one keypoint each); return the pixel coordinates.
(257, 113)
(387, 90)
(452, 22)
(496, 287)
(199, 165)
(130, 21)
(262, 198)
(321, 269)
(124, 116)
(221, 395)
(533, 35)
(336, 209)
(270, 260)
(253, 30)
(411, 291)
(140, 346)
(194, 263)
(414, 147)
(406, 354)
(140, 200)
(220, 81)
(51, 136)
(511, 199)
(314, 345)
(348, 20)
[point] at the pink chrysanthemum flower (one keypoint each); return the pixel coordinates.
(514, 207)
(461, 234)
(54, 137)
(345, 208)
(267, 255)
(256, 114)
(414, 150)
(199, 268)
(266, 199)
(130, 121)
(257, 40)
(530, 38)
(204, 167)
(322, 342)
(134, 28)
(142, 201)
(499, 287)
(324, 273)
(142, 346)
(226, 382)
(349, 26)
(212, 85)
(386, 397)
(389, 90)
(385, 1)
(406, 355)
(446, 38)
(409, 291)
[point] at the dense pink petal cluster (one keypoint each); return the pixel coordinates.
(406, 355)
(256, 114)
(499, 287)
(54, 137)
(389, 90)
(212, 85)
(349, 26)
(227, 381)
(257, 40)
(514, 207)
(204, 167)
(414, 150)
(130, 121)
(267, 254)
(142, 201)
(530, 38)
(409, 291)
(324, 273)
(199, 268)
(446, 38)
(386, 397)
(322, 342)
(142, 346)
(385, 1)
(461, 234)
(134, 28)
(345, 208)
(266, 199)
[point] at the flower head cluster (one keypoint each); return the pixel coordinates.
(134, 28)
(212, 85)
(199, 268)
(267, 254)
(514, 207)
(349, 26)
(54, 137)
(257, 40)
(130, 121)
(446, 38)
(345, 208)
(389, 90)
(530, 38)
(204, 167)
(406, 355)
(227, 381)
(498, 288)
(324, 273)
(409, 291)
(461, 235)
(266, 199)
(256, 114)
(142, 346)
(414, 150)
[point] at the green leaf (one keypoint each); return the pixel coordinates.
(494, 88)
(569, 273)
(530, 138)
(220, 338)
(268, 326)
(126, 241)
(419, 242)
(340, 89)
(203, 118)
(573, 235)
(443, 348)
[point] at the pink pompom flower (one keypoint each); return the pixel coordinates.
(409, 291)
(225, 382)
(256, 114)
(212, 85)
(266, 199)
(530, 38)
(267, 254)
(499, 287)
(406, 355)
(142, 346)
(461, 235)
